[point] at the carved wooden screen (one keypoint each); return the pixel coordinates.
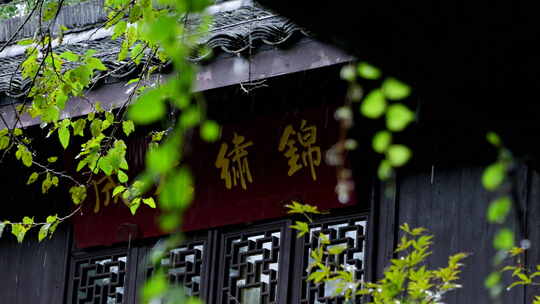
(99, 277)
(260, 264)
(349, 232)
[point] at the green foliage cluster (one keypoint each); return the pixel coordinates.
(378, 103)
(406, 280)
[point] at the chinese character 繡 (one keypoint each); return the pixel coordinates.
(305, 139)
(234, 164)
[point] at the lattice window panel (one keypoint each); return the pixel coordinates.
(250, 267)
(99, 280)
(346, 232)
(184, 266)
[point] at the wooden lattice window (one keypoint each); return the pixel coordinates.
(259, 264)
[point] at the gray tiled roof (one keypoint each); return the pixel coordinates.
(237, 32)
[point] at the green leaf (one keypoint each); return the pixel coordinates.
(190, 117)
(119, 29)
(494, 139)
(50, 10)
(381, 141)
(4, 142)
(134, 205)
(348, 73)
(504, 239)
(148, 108)
(301, 227)
(398, 155)
(384, 171)
(128, 126)
(78, 126)
(373, 105)
(50, 114)
(52, 159)
(118, 189)
(70, 56)
(210, 131)
(498, 210)
(43, 232)
(367, 71)
(2, 226)
(95, 127)
(398, 116)
(33, 177)
(394, 89)
(78, 194)
(122, 176)
(19, 231)
(63, 135)
(95, 64)
(493, 279)
(150, 202)
(177, 191)
(494, 176)
(337, 249)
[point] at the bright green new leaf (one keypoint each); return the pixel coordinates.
(63, 135)
(494, 139)
(52, 159)
(96, 127)
(119, 29)
(148, 108)
(150, 202)
(384, 171)
(398, 116)
(118, 189)
(394, 89)
(301, 227)
(504, 239)
(4, 142)
(122, 176)
(134, 205)
(78, 194)
(498, 210)
(128, 126)
(210, 131)
(367, 71)
(33, 177)
(154, 287)
(2, 226)
(50, 10)
(381, 141)
(78, 126)
(177, 191)
(190, 117)
(70, 56)
(50, 114)
(398, 155)
(493, 279)
(19, 231)
(374, 105)
(348, 73)
(43, 231)
(494, 176)
(336, 249)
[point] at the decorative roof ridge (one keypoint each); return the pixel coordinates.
(73, 17)
(237, 32)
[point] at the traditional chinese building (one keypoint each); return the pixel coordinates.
(274, 88)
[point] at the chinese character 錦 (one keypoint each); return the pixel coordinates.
(234, 164)
(305, 139)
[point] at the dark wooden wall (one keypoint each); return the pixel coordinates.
(451, 203)
(34, 272)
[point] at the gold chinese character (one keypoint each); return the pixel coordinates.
(306, 138)
(108, 185)
(234, 165)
